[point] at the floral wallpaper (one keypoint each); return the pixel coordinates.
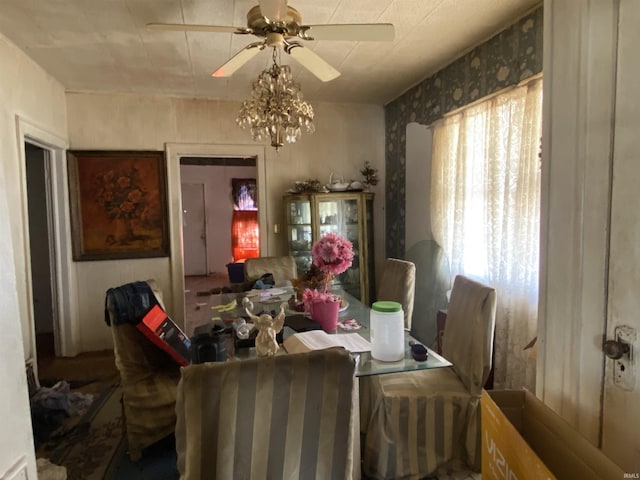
(509, 57)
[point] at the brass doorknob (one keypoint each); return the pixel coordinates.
(615, 349)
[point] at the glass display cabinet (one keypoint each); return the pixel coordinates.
(349, 214)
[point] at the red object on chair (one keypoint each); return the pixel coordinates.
(162, 331)
(245, 235)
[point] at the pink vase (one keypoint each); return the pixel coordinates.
(326, 314)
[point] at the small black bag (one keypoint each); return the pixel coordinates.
(209, 344)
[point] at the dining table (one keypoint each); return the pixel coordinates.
(226, 308)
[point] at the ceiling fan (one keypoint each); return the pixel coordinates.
(281, 26)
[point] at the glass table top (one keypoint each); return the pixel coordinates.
(365, 364)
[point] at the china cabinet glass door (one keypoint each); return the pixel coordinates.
(340, 215)
(299, 231)
(349, 214)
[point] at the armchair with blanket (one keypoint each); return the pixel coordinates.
(148, 375)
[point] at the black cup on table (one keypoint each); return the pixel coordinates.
(209, 344)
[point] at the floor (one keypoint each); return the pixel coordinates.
(206, 282)
(88, 372)
(158, 462)
(457, 473)
(196, 295)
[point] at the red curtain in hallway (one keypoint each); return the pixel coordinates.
(245, 235)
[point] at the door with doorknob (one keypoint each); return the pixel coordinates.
(621, 399)
(194, 229)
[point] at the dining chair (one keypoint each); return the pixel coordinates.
(148, 378)
(397, 284)
(414, 422)
(286, 416)
(283, 269)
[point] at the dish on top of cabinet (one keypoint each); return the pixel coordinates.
(337, 184)
(312, 185)
(338, 187)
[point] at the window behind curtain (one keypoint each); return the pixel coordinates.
(485, 208)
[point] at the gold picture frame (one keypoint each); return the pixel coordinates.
(118, 202)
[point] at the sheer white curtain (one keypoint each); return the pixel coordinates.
(485, 208)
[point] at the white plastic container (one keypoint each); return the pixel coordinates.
(387, 331)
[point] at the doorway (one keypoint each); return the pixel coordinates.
(207, 217)
(175, 153)
(42, 252)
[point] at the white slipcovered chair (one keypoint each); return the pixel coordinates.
(283, 269)
(415, 422)
(397, 284)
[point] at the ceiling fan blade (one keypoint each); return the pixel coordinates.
(274, 10)
(312, 62)
(361, 32)
(238, 60)
(195, 28)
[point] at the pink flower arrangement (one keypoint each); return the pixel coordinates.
(311, 296)
(332, 255)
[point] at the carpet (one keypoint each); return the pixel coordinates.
(158, 462)
(87, 448)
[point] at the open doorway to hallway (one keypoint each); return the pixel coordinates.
(42, 252)
(207, 190)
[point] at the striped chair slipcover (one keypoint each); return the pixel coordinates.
(283, 269)
(287, 416)
(414, 422)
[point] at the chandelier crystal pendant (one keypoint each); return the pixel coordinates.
(276, 108)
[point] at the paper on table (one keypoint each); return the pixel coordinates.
(319, 339)
(269, 292)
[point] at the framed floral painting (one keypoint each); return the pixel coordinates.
(118, 204)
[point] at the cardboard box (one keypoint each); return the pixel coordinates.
(523, 439)
(162, 331)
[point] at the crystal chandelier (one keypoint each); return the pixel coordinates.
(276, 108)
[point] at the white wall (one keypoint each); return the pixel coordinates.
(346, 136)
(418, 184)
(25, 90)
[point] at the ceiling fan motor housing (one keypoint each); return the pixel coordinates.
(279, 31)
(288, 26)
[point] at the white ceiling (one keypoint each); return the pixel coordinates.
(103, 45)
